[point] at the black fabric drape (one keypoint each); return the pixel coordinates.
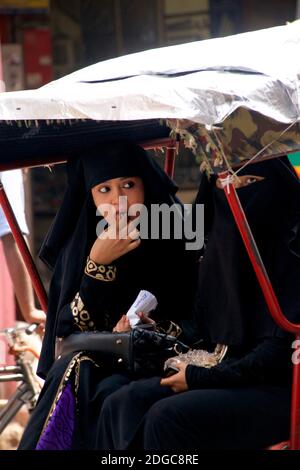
(145, 415)
(230, 308)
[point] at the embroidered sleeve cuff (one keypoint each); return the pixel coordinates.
(101, 272)
(81, 316)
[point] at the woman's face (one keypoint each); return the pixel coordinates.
(129, 189)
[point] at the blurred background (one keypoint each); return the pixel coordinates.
(42, 40)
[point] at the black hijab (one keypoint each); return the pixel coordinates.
(230, 307)
(113, 160)
(73, 230)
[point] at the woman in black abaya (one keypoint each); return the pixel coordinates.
(238, 397)
(95, 281)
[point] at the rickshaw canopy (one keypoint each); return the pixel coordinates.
(237, 96)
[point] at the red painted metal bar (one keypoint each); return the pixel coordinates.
(295, 405)
(31, 268)
(270, 298)
(170, 160)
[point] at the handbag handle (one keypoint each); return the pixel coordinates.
(116, 346)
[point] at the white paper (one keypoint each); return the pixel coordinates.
(145, 302)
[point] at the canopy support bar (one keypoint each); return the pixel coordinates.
(170, 160)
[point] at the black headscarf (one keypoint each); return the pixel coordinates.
(73, 230)
(230, 307)
(113, 160)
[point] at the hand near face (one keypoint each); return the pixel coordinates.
(111, 245)
(114, 200)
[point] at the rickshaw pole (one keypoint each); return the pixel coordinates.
(270, 298)
(295, 404)
(170, 160)
(27, 258)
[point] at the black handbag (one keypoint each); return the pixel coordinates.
(140, 352)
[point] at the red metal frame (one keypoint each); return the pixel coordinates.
(252, 250)
(270, 298)
(170, 160)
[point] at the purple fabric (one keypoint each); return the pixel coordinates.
(59, 431)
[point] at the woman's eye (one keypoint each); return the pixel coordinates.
(128, 184)
(104, 189)
(251, 179)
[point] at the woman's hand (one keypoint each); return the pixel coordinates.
(111, 245)
(123, 325)
(145, 319)
(39, 317)
(177, 382)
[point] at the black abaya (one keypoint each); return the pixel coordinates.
(147, 267)
(251, 417)
(221, 410)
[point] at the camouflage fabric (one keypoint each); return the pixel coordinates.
(237, 139)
